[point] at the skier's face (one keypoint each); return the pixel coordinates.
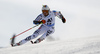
(45, 12)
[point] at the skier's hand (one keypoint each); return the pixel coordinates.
(37, 22)
(62, 17)
(43, 21)
(63, 20)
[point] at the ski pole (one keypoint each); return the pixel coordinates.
(23, 32)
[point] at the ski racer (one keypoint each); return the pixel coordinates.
(47, 21)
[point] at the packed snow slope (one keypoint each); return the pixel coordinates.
(90, 45)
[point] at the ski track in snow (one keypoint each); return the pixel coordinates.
(90, 45)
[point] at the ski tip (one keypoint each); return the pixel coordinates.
(12, 40)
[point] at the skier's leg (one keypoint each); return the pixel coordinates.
(34, 35)
(48, 32)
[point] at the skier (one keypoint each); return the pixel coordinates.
(47, 21)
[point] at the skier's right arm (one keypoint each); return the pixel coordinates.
(38, 20)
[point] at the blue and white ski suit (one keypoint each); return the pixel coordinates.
(45, 29)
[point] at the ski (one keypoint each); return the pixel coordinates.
(13, 40)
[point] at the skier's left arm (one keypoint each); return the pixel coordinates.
(59, 15)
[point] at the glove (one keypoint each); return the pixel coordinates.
(63, 20)
(39, 22)
(36, 22)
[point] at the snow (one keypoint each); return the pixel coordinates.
(88, 45)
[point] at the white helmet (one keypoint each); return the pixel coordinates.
(45, 7)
